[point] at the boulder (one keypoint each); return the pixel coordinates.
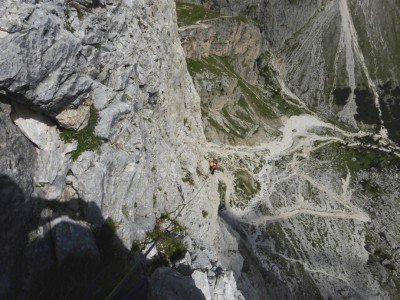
(73, 238)
(74, 119)
(168, 284)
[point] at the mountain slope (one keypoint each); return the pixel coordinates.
(307, 195)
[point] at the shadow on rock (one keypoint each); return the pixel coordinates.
(50, 251)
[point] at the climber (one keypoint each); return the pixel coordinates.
(213, 165)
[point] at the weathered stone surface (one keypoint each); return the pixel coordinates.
(91, 3)
(227, 245)
(39, 58)
(74, 119)
(200, 260)
(17, 156)
(33, 125)
(184, 265)
(138, 114)
(313, 226)
(17, 153)
(201, 281)
(224, 287)
(52, 163)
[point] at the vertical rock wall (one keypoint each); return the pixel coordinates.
(125, 59)
(17, 155)
(115, 73)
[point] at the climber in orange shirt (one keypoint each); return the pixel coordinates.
(213, 165)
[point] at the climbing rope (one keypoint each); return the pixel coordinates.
(184, 203)
(115, 293)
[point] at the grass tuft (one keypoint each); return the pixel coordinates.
(111, 224)
(189, 14)
(86, 137)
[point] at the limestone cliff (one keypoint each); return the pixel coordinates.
(109, 113)
(105, 128)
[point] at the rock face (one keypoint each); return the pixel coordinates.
(73, 237)
(40, 59)
(18, 154)
(102, 93)
(183, 290)
(16, 164)
(74, 119)
(177, 287)
(224, 37)
(130, 84)
(104, 135)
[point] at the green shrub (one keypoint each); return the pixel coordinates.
(111, 224)
(356, 158)
(241, 18)
(170, 243)
(136, 246)
(67, 13)
(172, 246)
(154, 234)
(125, 211)
(79, 9)
(32, 235)
(204, 213)
(68, 26)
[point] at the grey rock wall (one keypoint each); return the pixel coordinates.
(55, 54)
(17, 153)
(122, 60)
(40, 60)
(17, 157)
